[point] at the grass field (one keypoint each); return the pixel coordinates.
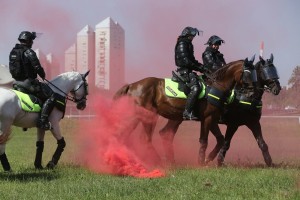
(245, 176)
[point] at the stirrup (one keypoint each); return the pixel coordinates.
(189, 116)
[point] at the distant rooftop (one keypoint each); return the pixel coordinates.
(108, 22)
(86, 30)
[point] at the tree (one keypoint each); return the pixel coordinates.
(294, 81)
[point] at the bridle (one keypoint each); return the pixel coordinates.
(74, 98)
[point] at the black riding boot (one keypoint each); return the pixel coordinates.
(188, 111)
(43, 121)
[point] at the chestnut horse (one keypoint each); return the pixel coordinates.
(237, 114)
(149, 93)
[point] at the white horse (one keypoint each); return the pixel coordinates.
(12, 114)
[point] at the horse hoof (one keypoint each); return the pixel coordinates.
(39, 167)
(50, 165)
(8, 171)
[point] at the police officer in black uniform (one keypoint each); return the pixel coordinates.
(186, 63)
(24, 67)
(212, 58)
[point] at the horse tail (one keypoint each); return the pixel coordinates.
(121, 92)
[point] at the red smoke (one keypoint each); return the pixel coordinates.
(104, 141)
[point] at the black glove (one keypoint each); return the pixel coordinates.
(199, 67)
(40, 71)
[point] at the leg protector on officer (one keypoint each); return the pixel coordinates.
(192, 97)
(43, 121)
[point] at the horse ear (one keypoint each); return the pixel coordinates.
(252, 59)
(262, 60)
(271, 58)
(86, 74)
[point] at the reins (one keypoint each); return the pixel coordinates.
(68, 97)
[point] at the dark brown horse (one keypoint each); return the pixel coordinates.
(149, 93)
(239, 112)
(247, 110)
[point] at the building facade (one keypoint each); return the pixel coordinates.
(110, 55)
(102, 52)
(85, 52)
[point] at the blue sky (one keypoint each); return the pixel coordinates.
(151, 29)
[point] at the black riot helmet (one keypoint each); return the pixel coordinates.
(189, 31)
(214, 40)
(26, 36)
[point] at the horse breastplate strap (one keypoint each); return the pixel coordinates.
(60, 102)
(216, 97)
(244, 100)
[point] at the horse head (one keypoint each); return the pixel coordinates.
(267, 75)
(249, 75)
(80, 91)
(235, 73)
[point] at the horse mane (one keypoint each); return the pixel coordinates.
(219, 74)
(72, 75)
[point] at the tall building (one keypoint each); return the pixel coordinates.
(85, 52)
(102, 52)
(49, 63)
(45, 63)
(70, 59)
(110, 55)
(54, 64)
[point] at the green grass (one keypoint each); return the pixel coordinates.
(68, 181)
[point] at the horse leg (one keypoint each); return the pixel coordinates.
(61, 144)
(220, 142)
(3, 158)
(256, 130)
(205, 126)
(39, 149)
(167, 134)
(4, 133)
(149, 129)
(231, 129)
(56, 156)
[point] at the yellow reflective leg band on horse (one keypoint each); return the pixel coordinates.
(213, 96)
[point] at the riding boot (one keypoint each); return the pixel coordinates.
(43, 121)
(188, 111)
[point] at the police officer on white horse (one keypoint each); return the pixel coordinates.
(24, 67)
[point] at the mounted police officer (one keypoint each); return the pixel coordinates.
(186, 63)
(24, 67)
(212, 58)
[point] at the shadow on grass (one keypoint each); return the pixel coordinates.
(30, 175)
(282, 165)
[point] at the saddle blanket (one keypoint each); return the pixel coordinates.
(26, 102)
(171, 90)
